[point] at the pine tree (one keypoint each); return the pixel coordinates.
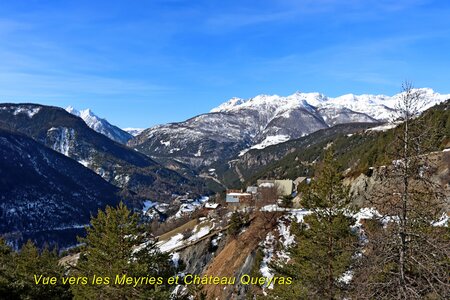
(18, 270)
(6, 271)
(117, 245)
(408, 257)
(237, 221)
(324, 242)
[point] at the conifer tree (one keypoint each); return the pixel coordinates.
(117, 245)
(237, 221)
(18, 270)
(324, 241)
(6, 270)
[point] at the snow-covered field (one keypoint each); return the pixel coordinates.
(199, 231)
(174, 242)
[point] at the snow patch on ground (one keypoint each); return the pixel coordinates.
(175, 259)
(383, 127)
(346, 277)
(174, 242)
(215, 241)
(443, 221)
(268, 141)
(285, 238)
(198, 153)
(268, 249)
(365, 213)
(200, 233)
(165, 143)
(62, 142)
(162, 207)
(29, 111)
(84, 162)
(271, 140)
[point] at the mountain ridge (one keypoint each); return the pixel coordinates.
(138, 175)
(101, 125)
(238, 125)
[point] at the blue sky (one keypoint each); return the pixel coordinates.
(140, 63)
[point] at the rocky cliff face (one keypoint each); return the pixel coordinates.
(366, 184)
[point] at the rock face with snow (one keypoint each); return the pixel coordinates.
(101, 125)
(44, 195)
(256, 123)
(135, 173)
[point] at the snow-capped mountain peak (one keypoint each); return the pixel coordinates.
(233, 102)
(378, 107)
(314, 99)
(101, 125)
(242, 124)
(72, 110)
(271, 102)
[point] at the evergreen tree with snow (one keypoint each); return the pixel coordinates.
(325, 241)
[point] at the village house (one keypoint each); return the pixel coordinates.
(252, 189)
(238, 198)
(285, 187)
(210, 205)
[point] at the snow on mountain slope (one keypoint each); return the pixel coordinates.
(381, 107)
(25, 109)
(238, 125)
(334, 114)
(268, 106)
(101, 125)
(200, 140)
(133, 131)
(378, 107)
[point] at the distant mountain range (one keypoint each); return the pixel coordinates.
(238, 125)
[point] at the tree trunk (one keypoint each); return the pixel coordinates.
(404, 209)
(330, 258)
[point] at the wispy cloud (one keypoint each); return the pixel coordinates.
(29, 86)
(298, 11)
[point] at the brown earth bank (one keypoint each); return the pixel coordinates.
(236, 258)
